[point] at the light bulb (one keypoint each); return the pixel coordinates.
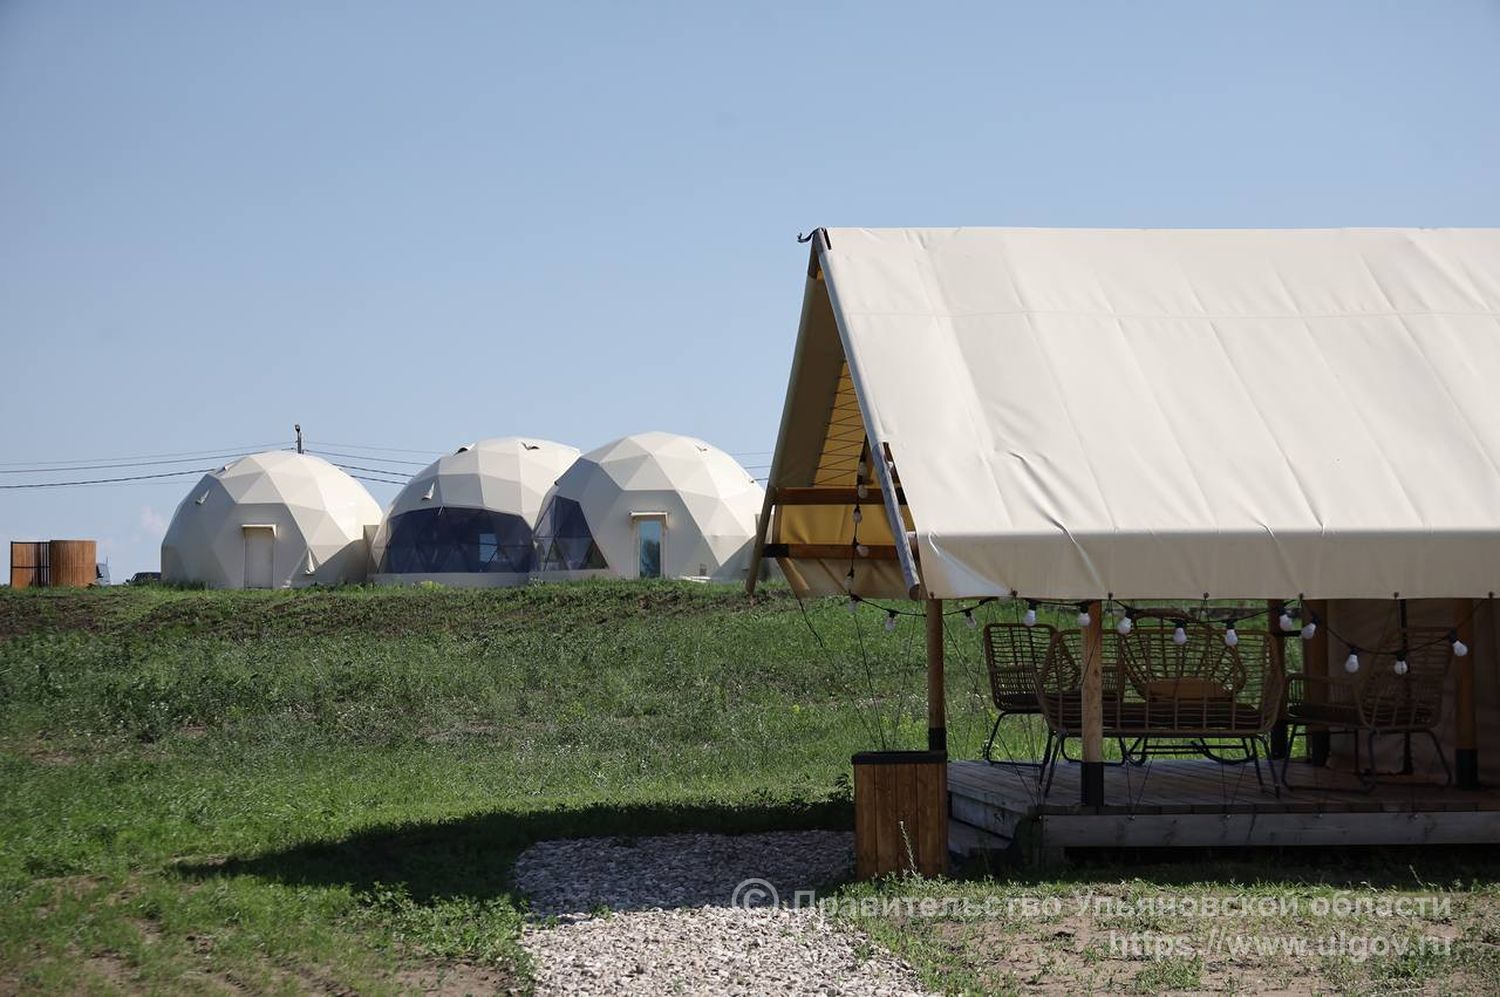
(861, 469)
(969, 620)
(1084, 619)
(1125, 625)
(858, 515)
(862, 550)
(1030, 618)
(1286, 622)
(890, 622)
(1179, 636)
(1231, 636)
(1351, 663)
(861, 490)
(1460, 649)
(1309, 629)
(853, 604)
(1400, 667)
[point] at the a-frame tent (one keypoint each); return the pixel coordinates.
(1149, 414)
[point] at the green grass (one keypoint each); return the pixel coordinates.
(328, 788)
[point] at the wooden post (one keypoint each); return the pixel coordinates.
(1274, 609)
(937, 711)
(1315, 663)
(1092, 775)
(1465, 718)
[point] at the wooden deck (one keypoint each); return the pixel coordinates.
(1197, 803)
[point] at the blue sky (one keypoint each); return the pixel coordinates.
(414, 225)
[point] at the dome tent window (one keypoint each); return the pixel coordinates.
(564, 538)
(444, 540)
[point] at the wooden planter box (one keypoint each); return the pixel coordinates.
(900, 813)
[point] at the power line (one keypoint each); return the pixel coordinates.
(107, 481)
(382, 460)
(373, 470)
(364, 446)
(200, 454)
(118, 467)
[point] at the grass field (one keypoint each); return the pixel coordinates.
(325, 791)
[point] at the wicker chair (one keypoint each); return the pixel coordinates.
(1169, 698)
(1013, 654)
(1377, 701)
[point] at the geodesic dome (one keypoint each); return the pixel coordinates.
(467, 518)
(270, 520)
(650, 505)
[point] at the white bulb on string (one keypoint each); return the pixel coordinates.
(1084, 619)
(1179, 635)
(1309, 629)
(1400, 667)
(1125, 625)
(1351, 663)
(1287, 623)
(969, 620)
(853, 604)
(1460, 649)
(862, 550)
(861, 469)
(1030, 618)
(1231, 636)
(858, 515)
(861, 490)
(890, 622)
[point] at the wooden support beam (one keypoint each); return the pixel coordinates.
(1279, 745)
(937, 710)
(1093, 708)
(1315, 663)
(1465, 714)
(832, 552)
(832, 496)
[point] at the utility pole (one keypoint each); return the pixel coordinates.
(298, 427)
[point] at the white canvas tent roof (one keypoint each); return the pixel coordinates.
(1149, 414)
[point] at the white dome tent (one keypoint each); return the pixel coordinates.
(270, 520)
(650, 505)
(467, 518)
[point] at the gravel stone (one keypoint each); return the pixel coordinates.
(663, 915)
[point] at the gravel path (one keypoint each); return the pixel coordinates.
(675, 923)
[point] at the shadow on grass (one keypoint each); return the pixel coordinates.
(472, 857)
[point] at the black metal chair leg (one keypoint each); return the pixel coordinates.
(1442, 757)
(990, 744)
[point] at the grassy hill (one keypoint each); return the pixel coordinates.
(341, 778)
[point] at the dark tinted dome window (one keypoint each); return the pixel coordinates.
(441, 540)
(563, 538)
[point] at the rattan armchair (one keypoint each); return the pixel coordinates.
(1377, 701)
(1013, 654)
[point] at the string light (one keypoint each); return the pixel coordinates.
(1126, 624)
(1310, 628)
(1287, 621)
(862, 550)
(1460, 649)
(1179, 635)
(1351, 663)
(861, 490)
(1084, 619)
(853, 604)
(858, 515)
(969, 620)
(1401, 667)
(890, 621)
(1030, 618)
(1231, 636)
